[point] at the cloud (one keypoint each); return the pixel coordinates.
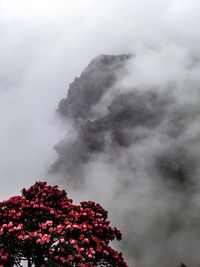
(133, 146)
(44, 46)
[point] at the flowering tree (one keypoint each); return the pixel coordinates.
(45, 228)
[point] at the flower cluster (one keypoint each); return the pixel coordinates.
(46, 228)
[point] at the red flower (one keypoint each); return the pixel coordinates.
(45, 224)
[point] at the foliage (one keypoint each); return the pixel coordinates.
(44, 227)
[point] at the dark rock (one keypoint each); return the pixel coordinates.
(88, 89)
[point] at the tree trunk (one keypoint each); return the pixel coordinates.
(29, 262)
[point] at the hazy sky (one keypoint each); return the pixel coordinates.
(45, 44)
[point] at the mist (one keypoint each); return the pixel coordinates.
(135, 148)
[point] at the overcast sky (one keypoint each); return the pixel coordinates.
(45, 44)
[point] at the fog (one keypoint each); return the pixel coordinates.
(150, 185)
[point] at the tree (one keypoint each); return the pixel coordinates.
(45, 228)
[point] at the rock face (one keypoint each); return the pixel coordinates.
(88, 89)
(83, 94)
(126, 112)
(144, 147)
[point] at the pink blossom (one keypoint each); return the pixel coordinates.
(50, 223)
(10, 224)
(105, 252)
(62, 240)
(4, 257)
(70, 258)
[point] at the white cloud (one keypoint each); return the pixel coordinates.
(45, 44)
